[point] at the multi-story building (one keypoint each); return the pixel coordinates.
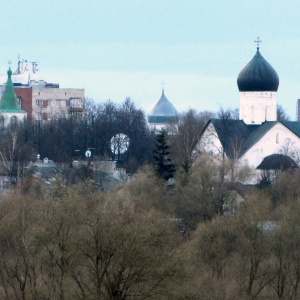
(48, 103)
(42, 100)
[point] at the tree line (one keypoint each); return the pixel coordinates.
(76, 242)
(149, 238)
(65, 139)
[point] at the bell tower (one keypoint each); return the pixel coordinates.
(258, 83)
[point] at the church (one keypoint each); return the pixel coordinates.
(10, 110)
(258, 133)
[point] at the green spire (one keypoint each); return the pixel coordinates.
(9, 100)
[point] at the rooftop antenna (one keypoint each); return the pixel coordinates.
(257, 41)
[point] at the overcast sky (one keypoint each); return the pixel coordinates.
(126, 48)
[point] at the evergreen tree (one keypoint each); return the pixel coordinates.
(161, 156)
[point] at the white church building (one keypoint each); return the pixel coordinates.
(257, 134)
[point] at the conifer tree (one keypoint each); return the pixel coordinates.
(161, 155)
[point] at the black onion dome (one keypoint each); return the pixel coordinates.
(258, 75)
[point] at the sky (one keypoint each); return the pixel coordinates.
(194, 49)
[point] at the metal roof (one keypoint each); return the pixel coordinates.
(9, 101)
(237, 137)
(162, 111)
(258, 75)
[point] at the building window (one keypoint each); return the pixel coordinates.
(19, 102)
(39, 102)
(76, 102)
(277, 138)
(39, 116)
(76, 115)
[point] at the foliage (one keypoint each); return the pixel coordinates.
(81, 244)
(63, 242)
(187, 136)
(163, 164)
(281, 114)
(94, 131)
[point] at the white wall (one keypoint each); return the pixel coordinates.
(278, 137)
(258, 107)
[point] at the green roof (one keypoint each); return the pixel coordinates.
(9, 101)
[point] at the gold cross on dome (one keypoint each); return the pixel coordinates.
(257, 41)
(9, 63)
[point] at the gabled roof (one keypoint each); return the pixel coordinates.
(294, 126)
(256, 133)
(237, 138)
(9, 100)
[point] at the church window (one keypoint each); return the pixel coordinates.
(277, 138)
(13, 120)
(252, 114)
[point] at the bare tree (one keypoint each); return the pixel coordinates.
(15, 152)
(185, 140)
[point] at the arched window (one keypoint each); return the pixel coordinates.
(13, 120)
